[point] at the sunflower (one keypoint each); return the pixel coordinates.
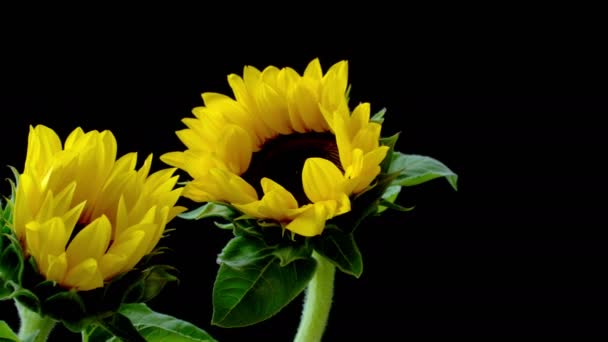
(286, 148)
(85, 216)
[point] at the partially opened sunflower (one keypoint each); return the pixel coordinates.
(286, 148)
(85, 216)
(82, 221)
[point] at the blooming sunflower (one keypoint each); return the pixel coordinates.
(85, 216)
(286, 148)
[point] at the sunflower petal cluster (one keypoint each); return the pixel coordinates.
(84, 215)
(227, 132)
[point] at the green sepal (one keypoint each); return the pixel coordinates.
(391, 205)
(242, 251)
(27, 298)
(5, 290)
(389, 195)
(391, 142)
(340, 249)
(258, 291)
(379, 116)
(210, 210)
(11, 258)
(68, 307)
(288, 253)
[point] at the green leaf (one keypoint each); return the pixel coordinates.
(254, 293)
(120, 326)
(210, 209)
(341, 250)
(154, 326)
(6, 333)
(415, 169)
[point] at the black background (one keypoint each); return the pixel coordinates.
(513, 109)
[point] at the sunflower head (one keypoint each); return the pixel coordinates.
(82, 221)
(286, 148)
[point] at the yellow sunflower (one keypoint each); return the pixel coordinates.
(85, 216)
(286, 148)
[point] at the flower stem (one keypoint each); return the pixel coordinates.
(317, 302)
(32, 324)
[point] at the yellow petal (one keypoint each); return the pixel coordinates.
(240, 91)
(368, 138)
(112, 264)
(309, 223)
(131, 246)
(222, 185)
(293, 108)
(84, 276)
(27, 202)
(359, 118)
(343, 140)
(74, 136)
(370, 168)
(43, 144)
(321, 179)
(272, 107)
(307, 103)
(46, 238)
(236, 149)
(91, 242)
(71, 217)
(313, 70)
(274, 204)
(57, 267)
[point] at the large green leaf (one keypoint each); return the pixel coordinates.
(153, 327)
(341, 250)
(414, 169)
(6, 333)
(251, 294)
(120, 326)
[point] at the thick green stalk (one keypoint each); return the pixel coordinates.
(33, 324)
(317, 302)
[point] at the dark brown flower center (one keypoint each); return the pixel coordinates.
(282, 158)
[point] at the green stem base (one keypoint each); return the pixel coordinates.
(32, 324)
(317, 302)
